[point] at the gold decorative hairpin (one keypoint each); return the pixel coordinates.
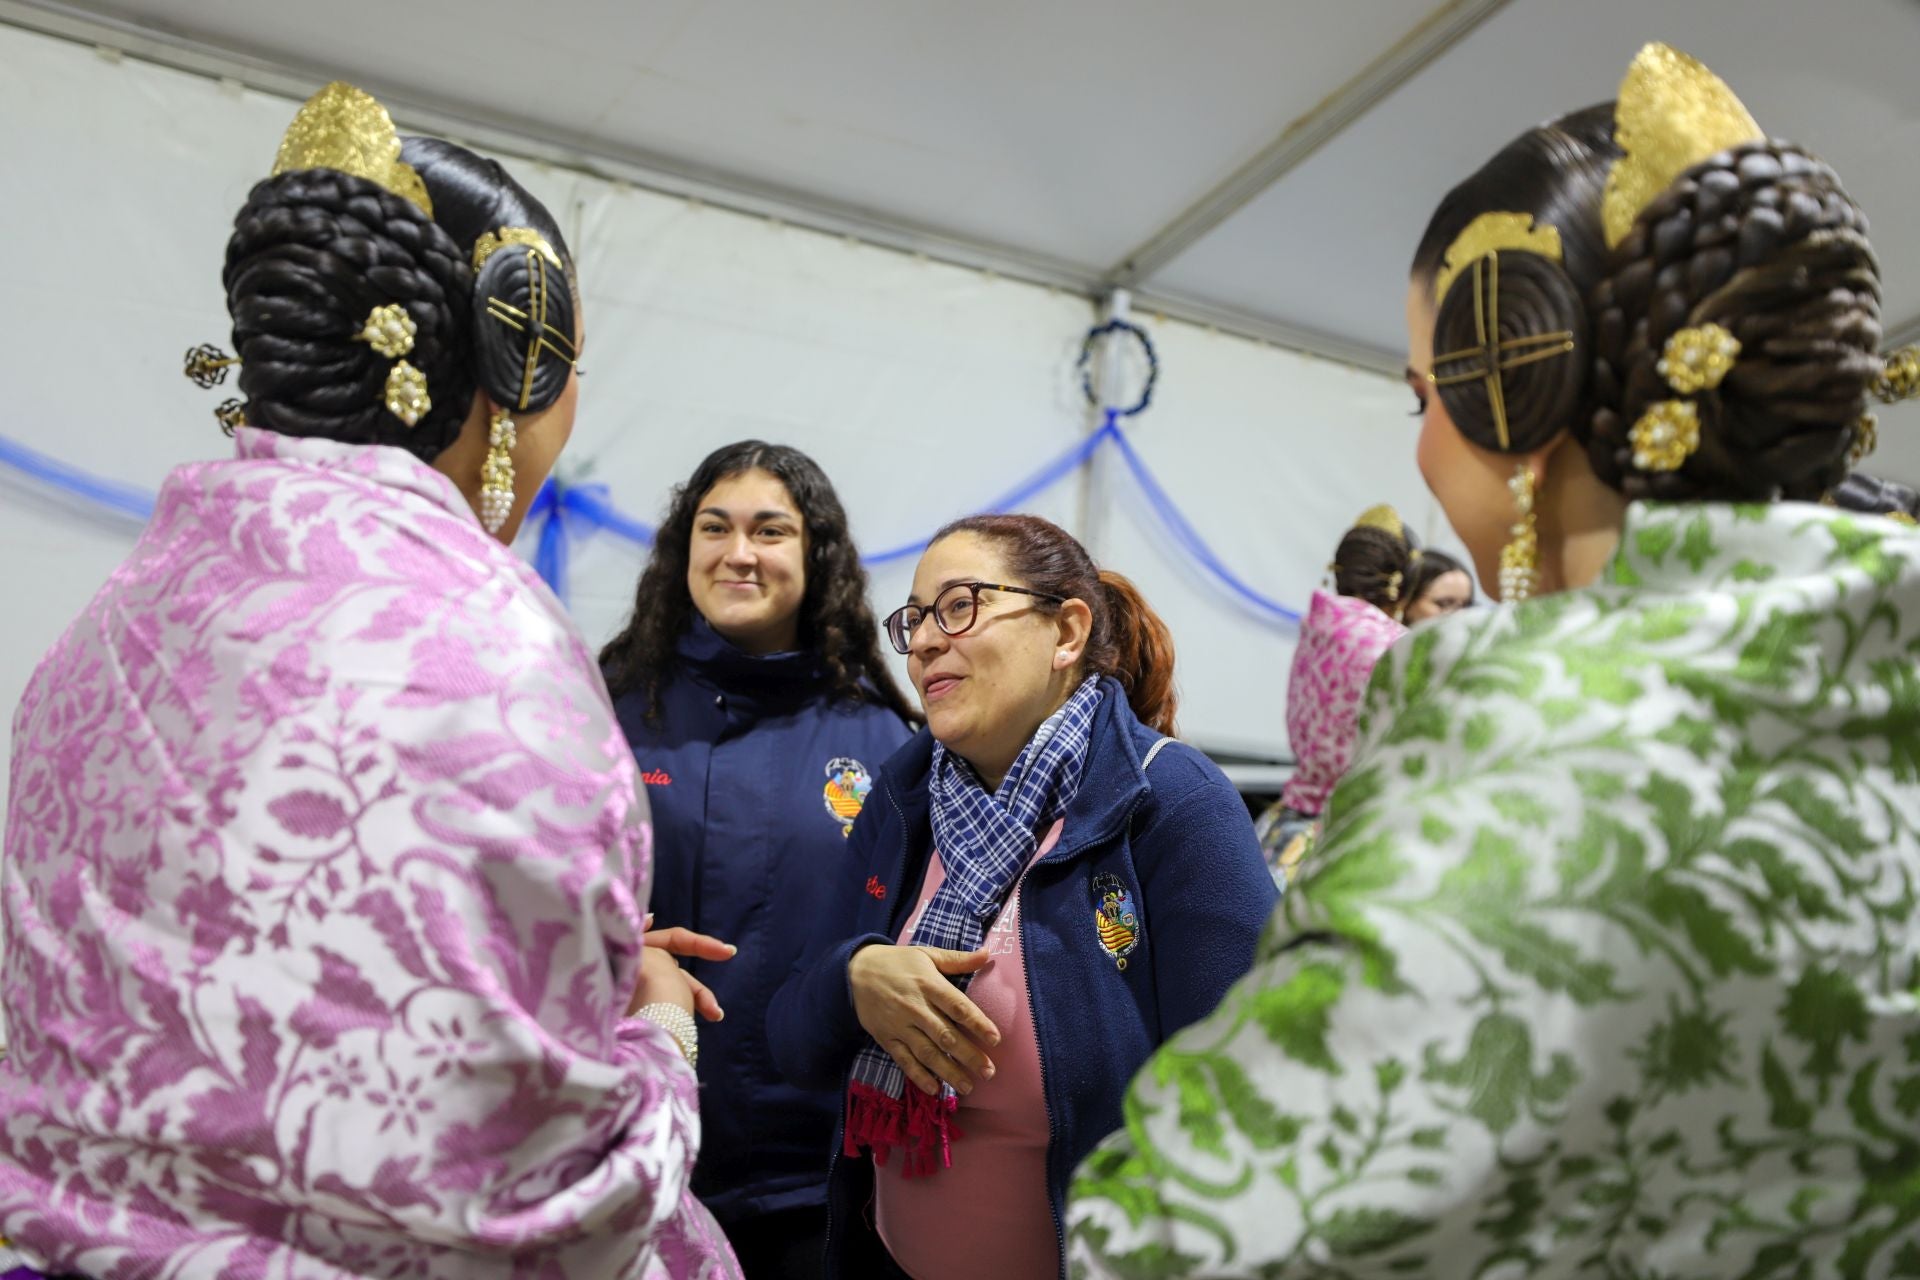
(1900, 380)
(1698, 359)
(1493, 233)
(207, 365)
(491, 241)
(1666, 435)
(541, 336)
(1671, 114)
(1866, 438)
(345, 129)
(1694, 359)
(1477, 250)
(389, 330)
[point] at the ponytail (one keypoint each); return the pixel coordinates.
(1141, 650)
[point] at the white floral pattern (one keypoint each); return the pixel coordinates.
(323, 879)
(1608, 964)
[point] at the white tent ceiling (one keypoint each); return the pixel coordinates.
(1265, 165)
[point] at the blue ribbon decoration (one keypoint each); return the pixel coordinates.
(561, 511)
(1183, 532)
(556, 507)
(122, 499)
(1018, 496)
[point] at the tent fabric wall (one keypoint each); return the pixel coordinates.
(923, 389)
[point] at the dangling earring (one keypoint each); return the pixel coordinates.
(1520, 558)
(496, 474)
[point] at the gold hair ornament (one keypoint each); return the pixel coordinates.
(533, 322)
(1492, 233)
(1666, 435)
(1384, 518)
(1866, 438)
(389, 330)
(207, 365)
(345, 129)
(231, 415)
(492, 241)
(1698, 359)
(1900, 380)
(1478, 248)
(407, 397)
(1671, 114)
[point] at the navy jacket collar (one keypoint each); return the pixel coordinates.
(712, 659)
(1114, 783)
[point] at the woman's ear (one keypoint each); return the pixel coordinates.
(1073, 627)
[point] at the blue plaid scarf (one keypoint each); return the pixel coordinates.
(985, 842)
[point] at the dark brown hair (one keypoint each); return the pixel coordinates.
(1760, 239)
(836, 623)
(1129, 641)
(1428, 568)
(313, 251)
(1374, 565)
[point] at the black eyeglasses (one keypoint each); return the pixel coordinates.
(954, 611)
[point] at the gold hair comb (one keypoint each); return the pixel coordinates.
(1671, 114)
(345, 129)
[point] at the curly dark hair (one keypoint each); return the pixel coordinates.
(1759, 239)
(836, 623)
(315, 250)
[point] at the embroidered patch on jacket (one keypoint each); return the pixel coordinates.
(1116, 918)
(848, 783)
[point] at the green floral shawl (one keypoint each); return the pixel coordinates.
(1608, 964)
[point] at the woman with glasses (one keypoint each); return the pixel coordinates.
(752, 690)
(1050, 887)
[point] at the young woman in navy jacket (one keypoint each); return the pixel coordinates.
(1109, 897)
(752, 690)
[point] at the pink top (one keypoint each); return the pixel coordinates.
(988, 1216)
(323, 880)
(1341, 639)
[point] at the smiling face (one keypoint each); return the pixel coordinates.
(747, 562)
(986, 691)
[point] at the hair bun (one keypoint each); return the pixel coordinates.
(524, 317)
(1538, 334)
(1762, 241)
(312, 254)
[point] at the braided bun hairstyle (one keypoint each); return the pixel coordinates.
(314, 251)
(1760, 239)
(1374, 564)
